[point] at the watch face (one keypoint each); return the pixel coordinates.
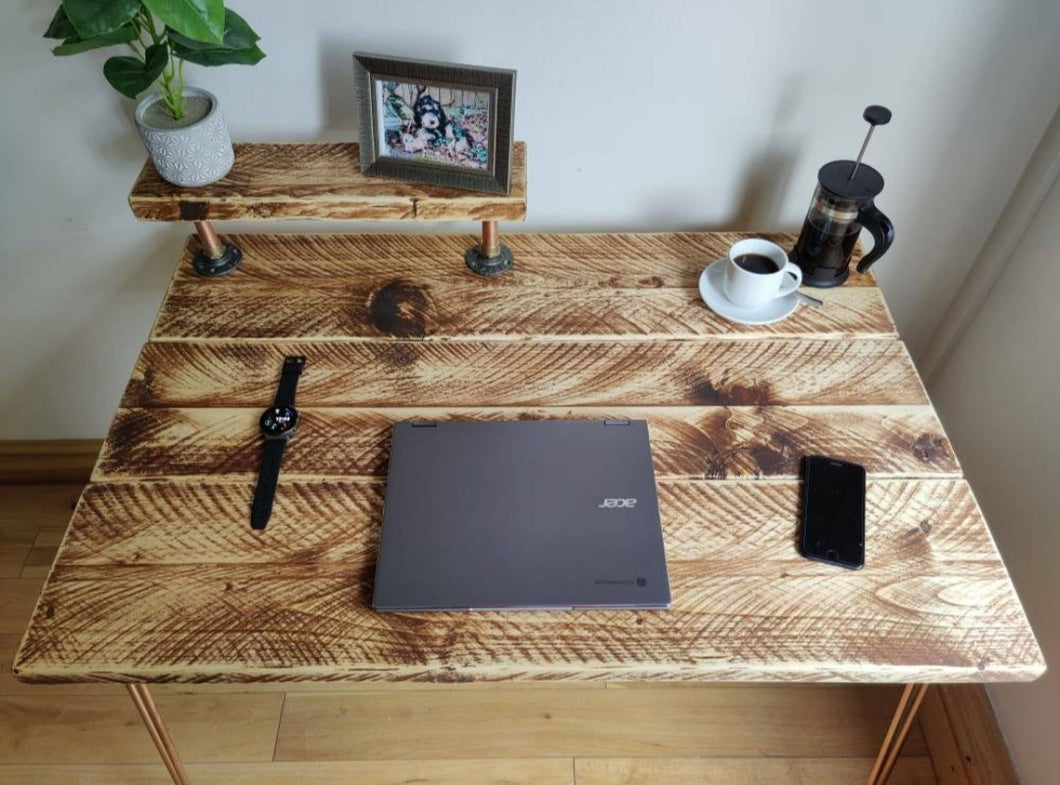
(278, 420)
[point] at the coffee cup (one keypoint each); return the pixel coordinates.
(758, 271)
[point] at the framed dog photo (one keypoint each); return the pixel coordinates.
(436, 123)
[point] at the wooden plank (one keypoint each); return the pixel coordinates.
(401, 308)
(547, 373)
(271, 181)
(576, 261)
(27, 509)
(515, 771)
(38, 562)
(981, 746)
(12, 559)
(50, 536)
(705, 442)
(9, 685)
(662, 723)
(175, 565)
(642, 286)
(745, 771)
(19, 595)
(48, 461)
(99, 729)
(945, 755)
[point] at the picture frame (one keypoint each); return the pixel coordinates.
(443, 124)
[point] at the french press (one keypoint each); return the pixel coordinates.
(842, 205)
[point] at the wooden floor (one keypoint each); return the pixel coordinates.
(467, 734)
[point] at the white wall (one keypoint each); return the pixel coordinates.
(638, 115)
(997, 397)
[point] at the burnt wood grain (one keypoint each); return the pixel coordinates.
(579, 260)
(692, 442)
(160, 579)
(319, 181)
(531, 373)
(564, 285)
(165, 582)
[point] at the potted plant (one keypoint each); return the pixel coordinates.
(181, 126)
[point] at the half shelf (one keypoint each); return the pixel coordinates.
(270, 181)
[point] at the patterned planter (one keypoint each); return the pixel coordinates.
(195, 154)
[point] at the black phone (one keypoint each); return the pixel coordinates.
(833, 511)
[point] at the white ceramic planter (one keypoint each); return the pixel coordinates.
(195, 154)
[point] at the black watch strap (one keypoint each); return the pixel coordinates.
(292, 369)
(268, 476)
(272, 452)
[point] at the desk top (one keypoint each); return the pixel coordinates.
(160, 578)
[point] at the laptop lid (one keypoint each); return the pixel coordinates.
(551, 514)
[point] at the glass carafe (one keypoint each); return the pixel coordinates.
(841, 207)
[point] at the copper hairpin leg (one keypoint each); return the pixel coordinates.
(159, 735)
(904, 714)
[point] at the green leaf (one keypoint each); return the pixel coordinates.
(201, 20)
(75, 45)
(238, 35)
(157, 58)
(130, 76)
(126, 75)
(248, 56)
(61, 26)
(92, 18)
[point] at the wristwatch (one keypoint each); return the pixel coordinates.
(277, 424)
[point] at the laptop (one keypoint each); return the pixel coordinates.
(525, 515)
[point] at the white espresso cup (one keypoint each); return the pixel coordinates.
(758, 271)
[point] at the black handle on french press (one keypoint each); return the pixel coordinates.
(882, 230)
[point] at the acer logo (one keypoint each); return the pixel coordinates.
(612, 503)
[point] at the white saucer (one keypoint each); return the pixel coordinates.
(710, 289)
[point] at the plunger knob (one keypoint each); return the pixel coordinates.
(874, 115)
(877, 115)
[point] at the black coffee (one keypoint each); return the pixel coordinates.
(816, 249)
(756, 263)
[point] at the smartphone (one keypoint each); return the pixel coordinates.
(833, 511)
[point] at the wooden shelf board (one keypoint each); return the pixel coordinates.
(319, 181)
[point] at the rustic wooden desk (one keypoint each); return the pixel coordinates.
(160, 578)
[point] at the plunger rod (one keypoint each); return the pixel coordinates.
(874, 115)
(861, 153)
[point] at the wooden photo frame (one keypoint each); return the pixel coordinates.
(435, 123)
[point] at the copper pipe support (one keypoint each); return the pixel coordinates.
(156, 727)
(490, 247)
(489, 257)
(211, 243)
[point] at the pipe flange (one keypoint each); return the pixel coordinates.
(488, 265)
(225, 263)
